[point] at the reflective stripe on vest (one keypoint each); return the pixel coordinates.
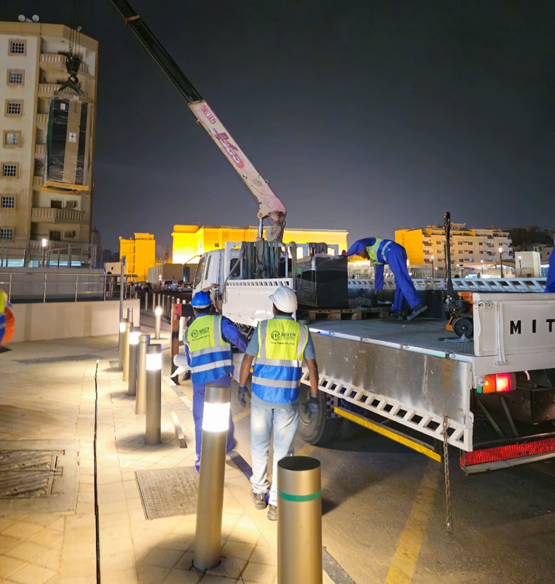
(210, 355)
(277, 368)
(376, 252)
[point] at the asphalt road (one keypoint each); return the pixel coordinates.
(385, 515)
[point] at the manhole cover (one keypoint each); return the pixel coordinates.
(168, 492)
(38, 476)
(25, 474)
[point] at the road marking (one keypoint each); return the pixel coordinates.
(241, 415)
(403, 565)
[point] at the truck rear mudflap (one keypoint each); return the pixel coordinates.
(508, 455)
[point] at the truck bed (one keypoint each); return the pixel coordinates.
(421, 335)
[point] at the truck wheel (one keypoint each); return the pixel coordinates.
(315, 430)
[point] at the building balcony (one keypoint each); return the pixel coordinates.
(49, 89)
(40, 149)
(58, 62)
(50, 215)
(42, 119)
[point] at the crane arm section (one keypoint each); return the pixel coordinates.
(269, 206)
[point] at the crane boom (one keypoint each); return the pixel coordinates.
(269, 206)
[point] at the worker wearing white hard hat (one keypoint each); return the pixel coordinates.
(276, 352)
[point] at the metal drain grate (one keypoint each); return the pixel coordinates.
(27, 474)
(168, 492)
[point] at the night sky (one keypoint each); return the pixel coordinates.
(363, 115)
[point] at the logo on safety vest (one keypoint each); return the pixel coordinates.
(196, 333)
(277, 336)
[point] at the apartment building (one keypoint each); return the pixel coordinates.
(191, 241)
(426, 246)
(139, 254)
(32, 68)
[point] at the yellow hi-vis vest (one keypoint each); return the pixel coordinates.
(277, 370)
(375, 252)
(210, 355)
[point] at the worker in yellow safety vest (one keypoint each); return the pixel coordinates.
(277, 349)
(385, 251)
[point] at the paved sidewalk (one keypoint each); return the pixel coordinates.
(51, 399)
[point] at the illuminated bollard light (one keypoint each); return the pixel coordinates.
(153, 394)
(134, 335)
(120, 343)
(140, 400)
(215, 424)
(125, 362)
(299, 521)
(157, 322)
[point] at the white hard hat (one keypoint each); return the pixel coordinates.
(284, 299)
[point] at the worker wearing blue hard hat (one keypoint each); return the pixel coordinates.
(385, 251)
(208, 342)
(550, 284)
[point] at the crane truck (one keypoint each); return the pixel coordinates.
(492, 397)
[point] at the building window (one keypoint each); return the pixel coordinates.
(12, 138)
(55, 204)
(18, 47)
(16, 77)
(8, 202)
(6, 233)
(55, 236)
(14, 107)
(9, 169)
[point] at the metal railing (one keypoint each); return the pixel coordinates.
(55, 253)
(52, 286)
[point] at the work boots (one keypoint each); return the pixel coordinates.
(272, 512)
(259, 500)
(419, 309)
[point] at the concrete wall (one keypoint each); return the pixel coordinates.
(66, 320)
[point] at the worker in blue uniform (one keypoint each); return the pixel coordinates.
(550, 286)
(208, 354)
(385, 251)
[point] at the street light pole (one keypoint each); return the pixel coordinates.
(520, 266)
(501, 260)
(432, 265)
(482, 267)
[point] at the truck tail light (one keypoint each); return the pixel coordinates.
(499, 382)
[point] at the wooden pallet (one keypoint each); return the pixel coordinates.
(345, 313)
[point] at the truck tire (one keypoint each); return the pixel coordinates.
(318, 430)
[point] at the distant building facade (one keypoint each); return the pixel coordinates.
(32, 69)
(426, 246)
(191, 241)
(139, 254)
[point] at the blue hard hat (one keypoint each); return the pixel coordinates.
(201, 300)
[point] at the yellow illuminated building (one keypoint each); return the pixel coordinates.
(139, 254)
(191, 241)
(426, 246)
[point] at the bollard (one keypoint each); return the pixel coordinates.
(299, 521)
(153, 394)
(125, 362)
(130, 316)
(215, 424)
(120, 344)
(140, 400)
(134, 335)
(157, 322)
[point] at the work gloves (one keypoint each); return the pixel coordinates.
(242, 393)
(314, 406)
